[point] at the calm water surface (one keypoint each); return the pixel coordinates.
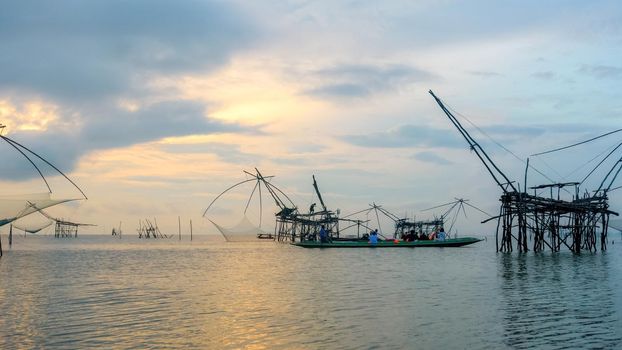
(105, 293)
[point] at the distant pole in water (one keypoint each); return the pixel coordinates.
(179, 222)
(10, 235)
(190, 230)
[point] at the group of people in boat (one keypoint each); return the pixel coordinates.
(411, 236)
(437, 235)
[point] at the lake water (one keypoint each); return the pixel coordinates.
(106, 293)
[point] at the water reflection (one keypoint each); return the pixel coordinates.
(558, 301)
(119, 294)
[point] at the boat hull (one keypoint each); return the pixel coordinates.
(454, 242)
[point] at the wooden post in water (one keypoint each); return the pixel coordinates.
(179, 222)
(190, 230)
(10, 235)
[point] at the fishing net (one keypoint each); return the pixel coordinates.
(244, 230)
(32, 227)
(17, 206)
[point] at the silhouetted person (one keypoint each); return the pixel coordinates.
(441, 235)
(373, 237)
(323, 235)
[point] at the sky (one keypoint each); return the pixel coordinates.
(155, 107)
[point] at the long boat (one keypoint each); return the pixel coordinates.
(453, 242)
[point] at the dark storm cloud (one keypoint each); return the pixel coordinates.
(113, 129)
(171, 118)
(363, 80)
(85, 56)
(93, 49)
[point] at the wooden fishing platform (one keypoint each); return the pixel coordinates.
(578, 222)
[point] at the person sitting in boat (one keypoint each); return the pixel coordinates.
(373, 237)
(440, 236)
(423, 236)
(432, 235)
(323, 235)
(410, 237)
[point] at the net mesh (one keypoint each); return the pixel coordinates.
(17, 206)
(32, 227)
(244, 230)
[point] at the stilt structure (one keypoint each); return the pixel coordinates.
(291, 224)
(15, 207)
(553, 221)
(65, 229)
(117, 231)
(147, 229)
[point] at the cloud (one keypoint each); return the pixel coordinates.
(548, 75)
(514, 130)
(74, 50)
(113, 128)
(228, 153)
(290, 160)
(431, 157)
(306, 148)
(351, 80)
(120, 128)
(160, 180)
(408, 136)
(601, 71)
(340, 90)
(83, 58)
(485, 74)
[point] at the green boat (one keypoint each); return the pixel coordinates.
(453, 242)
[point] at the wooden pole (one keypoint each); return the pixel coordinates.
(526, 169)
(191, 230)
(11, 235)
(179, 222)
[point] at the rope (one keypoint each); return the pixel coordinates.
(578, 143)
